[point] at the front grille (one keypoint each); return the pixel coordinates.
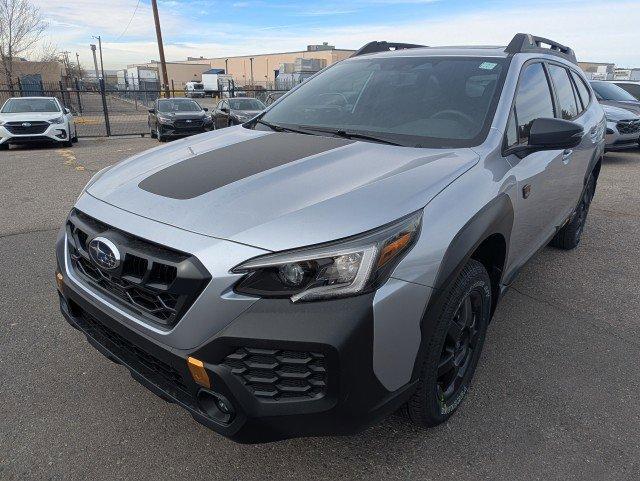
(184, 124)
(629, 126)
(19, 128)
(279, 374)
(154, 282)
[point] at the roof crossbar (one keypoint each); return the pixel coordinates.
(374, 47)
(527, 43)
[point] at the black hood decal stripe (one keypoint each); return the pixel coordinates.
(208, 171)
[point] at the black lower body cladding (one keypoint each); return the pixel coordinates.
(332, 339)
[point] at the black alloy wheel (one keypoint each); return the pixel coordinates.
(451, 347)
(459, 345)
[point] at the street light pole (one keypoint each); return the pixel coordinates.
(163, 63)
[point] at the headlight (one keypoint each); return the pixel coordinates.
(165, 120)
(57, 120)
(2, 122)
(344, 268)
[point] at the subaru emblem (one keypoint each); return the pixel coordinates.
(104, 253)
(26, 124)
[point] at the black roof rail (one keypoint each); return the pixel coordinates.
(527, 43)
(374, 47)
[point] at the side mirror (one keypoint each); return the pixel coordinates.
(205, 109)
(550, 134)
(67, 111)
(152, 111)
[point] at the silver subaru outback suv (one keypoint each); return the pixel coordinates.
(339, 257)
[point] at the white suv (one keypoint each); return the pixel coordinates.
(36, 119)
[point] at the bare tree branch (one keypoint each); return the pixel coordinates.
(21, 27)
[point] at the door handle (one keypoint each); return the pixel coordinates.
(566, 155)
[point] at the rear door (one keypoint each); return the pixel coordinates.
(570, 106)
(540, 203)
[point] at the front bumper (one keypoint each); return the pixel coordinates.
(53, 133)
(615, 140)
(173, 131)
(341, 332)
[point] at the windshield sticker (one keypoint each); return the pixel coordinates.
(487, 65)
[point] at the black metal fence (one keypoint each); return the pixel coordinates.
(106, 110)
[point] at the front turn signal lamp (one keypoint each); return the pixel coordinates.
(343, 268)
(198, 372)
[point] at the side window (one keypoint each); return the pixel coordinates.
(512, 131)
(533, 100)
(564, 90)
(633, 89)
(583, 91)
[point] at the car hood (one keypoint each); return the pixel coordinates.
(278, 190)
(29, 116)
(631, 106)
(183, 115)
(615, 114)
(246, 113)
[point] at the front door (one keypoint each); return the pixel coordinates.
(541, 199)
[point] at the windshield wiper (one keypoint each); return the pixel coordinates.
(280, 128)
(351, 135)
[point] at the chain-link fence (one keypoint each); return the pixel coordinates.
(107, 110)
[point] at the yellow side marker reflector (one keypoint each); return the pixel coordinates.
(59, 281)
(198, 372)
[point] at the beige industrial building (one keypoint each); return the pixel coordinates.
(266, 66)
(46, 73)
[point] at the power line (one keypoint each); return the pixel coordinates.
(128, 24)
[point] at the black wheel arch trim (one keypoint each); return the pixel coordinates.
(494, 218)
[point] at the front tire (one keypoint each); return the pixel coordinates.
(569, 236)
(450, 359)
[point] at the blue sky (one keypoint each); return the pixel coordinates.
(602, 30)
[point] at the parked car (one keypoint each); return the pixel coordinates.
(171, 118)
(36, 119)
(272, 97)
(236, 111)
(609, 93)
(631, 86)
(623, 128)
(194, 90)
(340, 256)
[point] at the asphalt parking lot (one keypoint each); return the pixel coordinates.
(556, 395)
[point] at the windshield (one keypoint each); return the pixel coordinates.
(246, 104)
(19, 106)
(178, 105)
(412, 101)
(610, 91)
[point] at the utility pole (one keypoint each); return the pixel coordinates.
(95, 62)
(163, 63)
(79, 67)
(251, 66)
(226, 66)
(99, 39)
